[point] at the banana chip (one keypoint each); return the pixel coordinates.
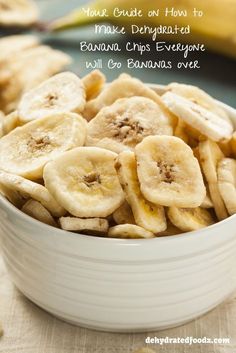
(129, 231)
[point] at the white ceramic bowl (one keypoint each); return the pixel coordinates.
(119, 285)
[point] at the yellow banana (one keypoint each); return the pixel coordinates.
(216, 28)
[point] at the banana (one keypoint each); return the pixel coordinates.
(146, 214)
(123, 87)
(62, 93)
(20, 13)
(123, 214)
(227, 183)
(10, 122)
(170, 230)
(93, 84)
(11, 45)
(19, 75)
(168, 172)
(26, 150)
(85, 182)
(129, 231)
(201, 119)
(207, 203)
(36, 210)
(97, 226)
(180, 131)
(31, 190)
(127, 122)
(217, 15)
(210, 156)
(188, 219)
(198, 96)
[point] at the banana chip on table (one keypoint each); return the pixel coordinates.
(146, 214)
(129, 231)
(18, 13)
(227, 183)
(126, 122)
(210, 156)
(26, 149)
(61, 93)
(84, 182)
(168, 172)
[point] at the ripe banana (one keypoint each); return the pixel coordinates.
(215, 28)
(62, 93)
(188, 219)
(168, 172)
(123, 214)
(126, 122)
(210, 156)
(26, 149)
(30, 190)
(129, 231)
(201, 119)
(227, 183)
(146, 214)
(36, 210)
(20, 13)
(96, 226)
(93, 84)
(85, 182)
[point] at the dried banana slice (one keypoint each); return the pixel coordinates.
(11, 45)
(20, 75)
(207, 203)
(126, 122)
(36, 210)
(198, 96)
(93, 84)
(146, 214)
(210, 156)
(13, 196)
(123, 87)
(85, 182)
(188, 219)
(25, 150)
(123, 214)
(10, 122)
(92, 225)
(129, 231)
(170, 230)
(203, 120)
(168, 172)
(30, 190)
(20, 13)
(62, 93)
(227, 183)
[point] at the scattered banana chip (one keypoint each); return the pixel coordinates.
(127, 122)
(36, 210)
(11, 45)
(123, 214)
(227, 183)
(146, 214)
(84, 182)
(210, 156)
(93, 84)
(25, 150)
(61, 93)
(168, 172)
(89, 225)
(188, 219)
(30, 190)
(20, 13)
(123, 87)
(129, 231)
(201, 119)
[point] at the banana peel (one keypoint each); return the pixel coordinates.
(216, 28)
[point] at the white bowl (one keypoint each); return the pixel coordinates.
(119, 285)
